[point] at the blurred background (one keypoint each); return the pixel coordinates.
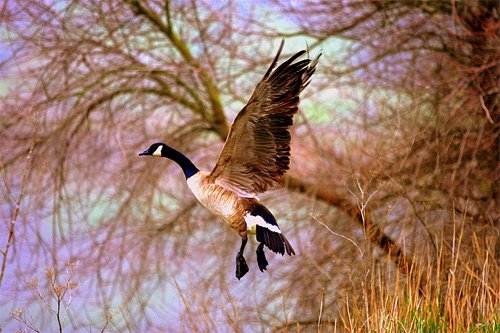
(391, 202)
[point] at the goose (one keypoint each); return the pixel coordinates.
(255, 156)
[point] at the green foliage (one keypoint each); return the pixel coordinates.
(492, 326)
(429, 321)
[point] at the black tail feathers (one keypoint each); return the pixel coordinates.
(275, 241)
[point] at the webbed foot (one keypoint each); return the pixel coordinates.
(241, 267)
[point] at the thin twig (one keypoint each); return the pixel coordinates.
(321, 310)
(10, 237)
(485, 109)
(361, 203)
(336, 234)
(58, 315)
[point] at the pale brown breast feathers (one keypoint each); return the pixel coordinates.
(217, 199)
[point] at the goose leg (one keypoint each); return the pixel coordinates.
(261, 257)
(241, 264)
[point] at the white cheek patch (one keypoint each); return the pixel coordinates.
(253, 221)
(158, 151)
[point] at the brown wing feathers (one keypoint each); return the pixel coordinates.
(257, 150)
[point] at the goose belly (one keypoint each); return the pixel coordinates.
(214, 197)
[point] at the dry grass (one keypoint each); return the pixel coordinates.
(457, 293)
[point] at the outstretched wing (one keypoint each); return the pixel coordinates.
(257, 150)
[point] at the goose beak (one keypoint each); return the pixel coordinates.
(146, 152)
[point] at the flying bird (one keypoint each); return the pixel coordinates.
(254, 157)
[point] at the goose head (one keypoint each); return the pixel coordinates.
(162, 150)
(157, 149)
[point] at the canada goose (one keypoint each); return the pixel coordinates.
(255, 156)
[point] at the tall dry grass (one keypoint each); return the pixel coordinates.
(455, 291)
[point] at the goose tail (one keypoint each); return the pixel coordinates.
(276, 242)
(267, 231)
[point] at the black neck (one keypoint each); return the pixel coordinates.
(187, 166)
